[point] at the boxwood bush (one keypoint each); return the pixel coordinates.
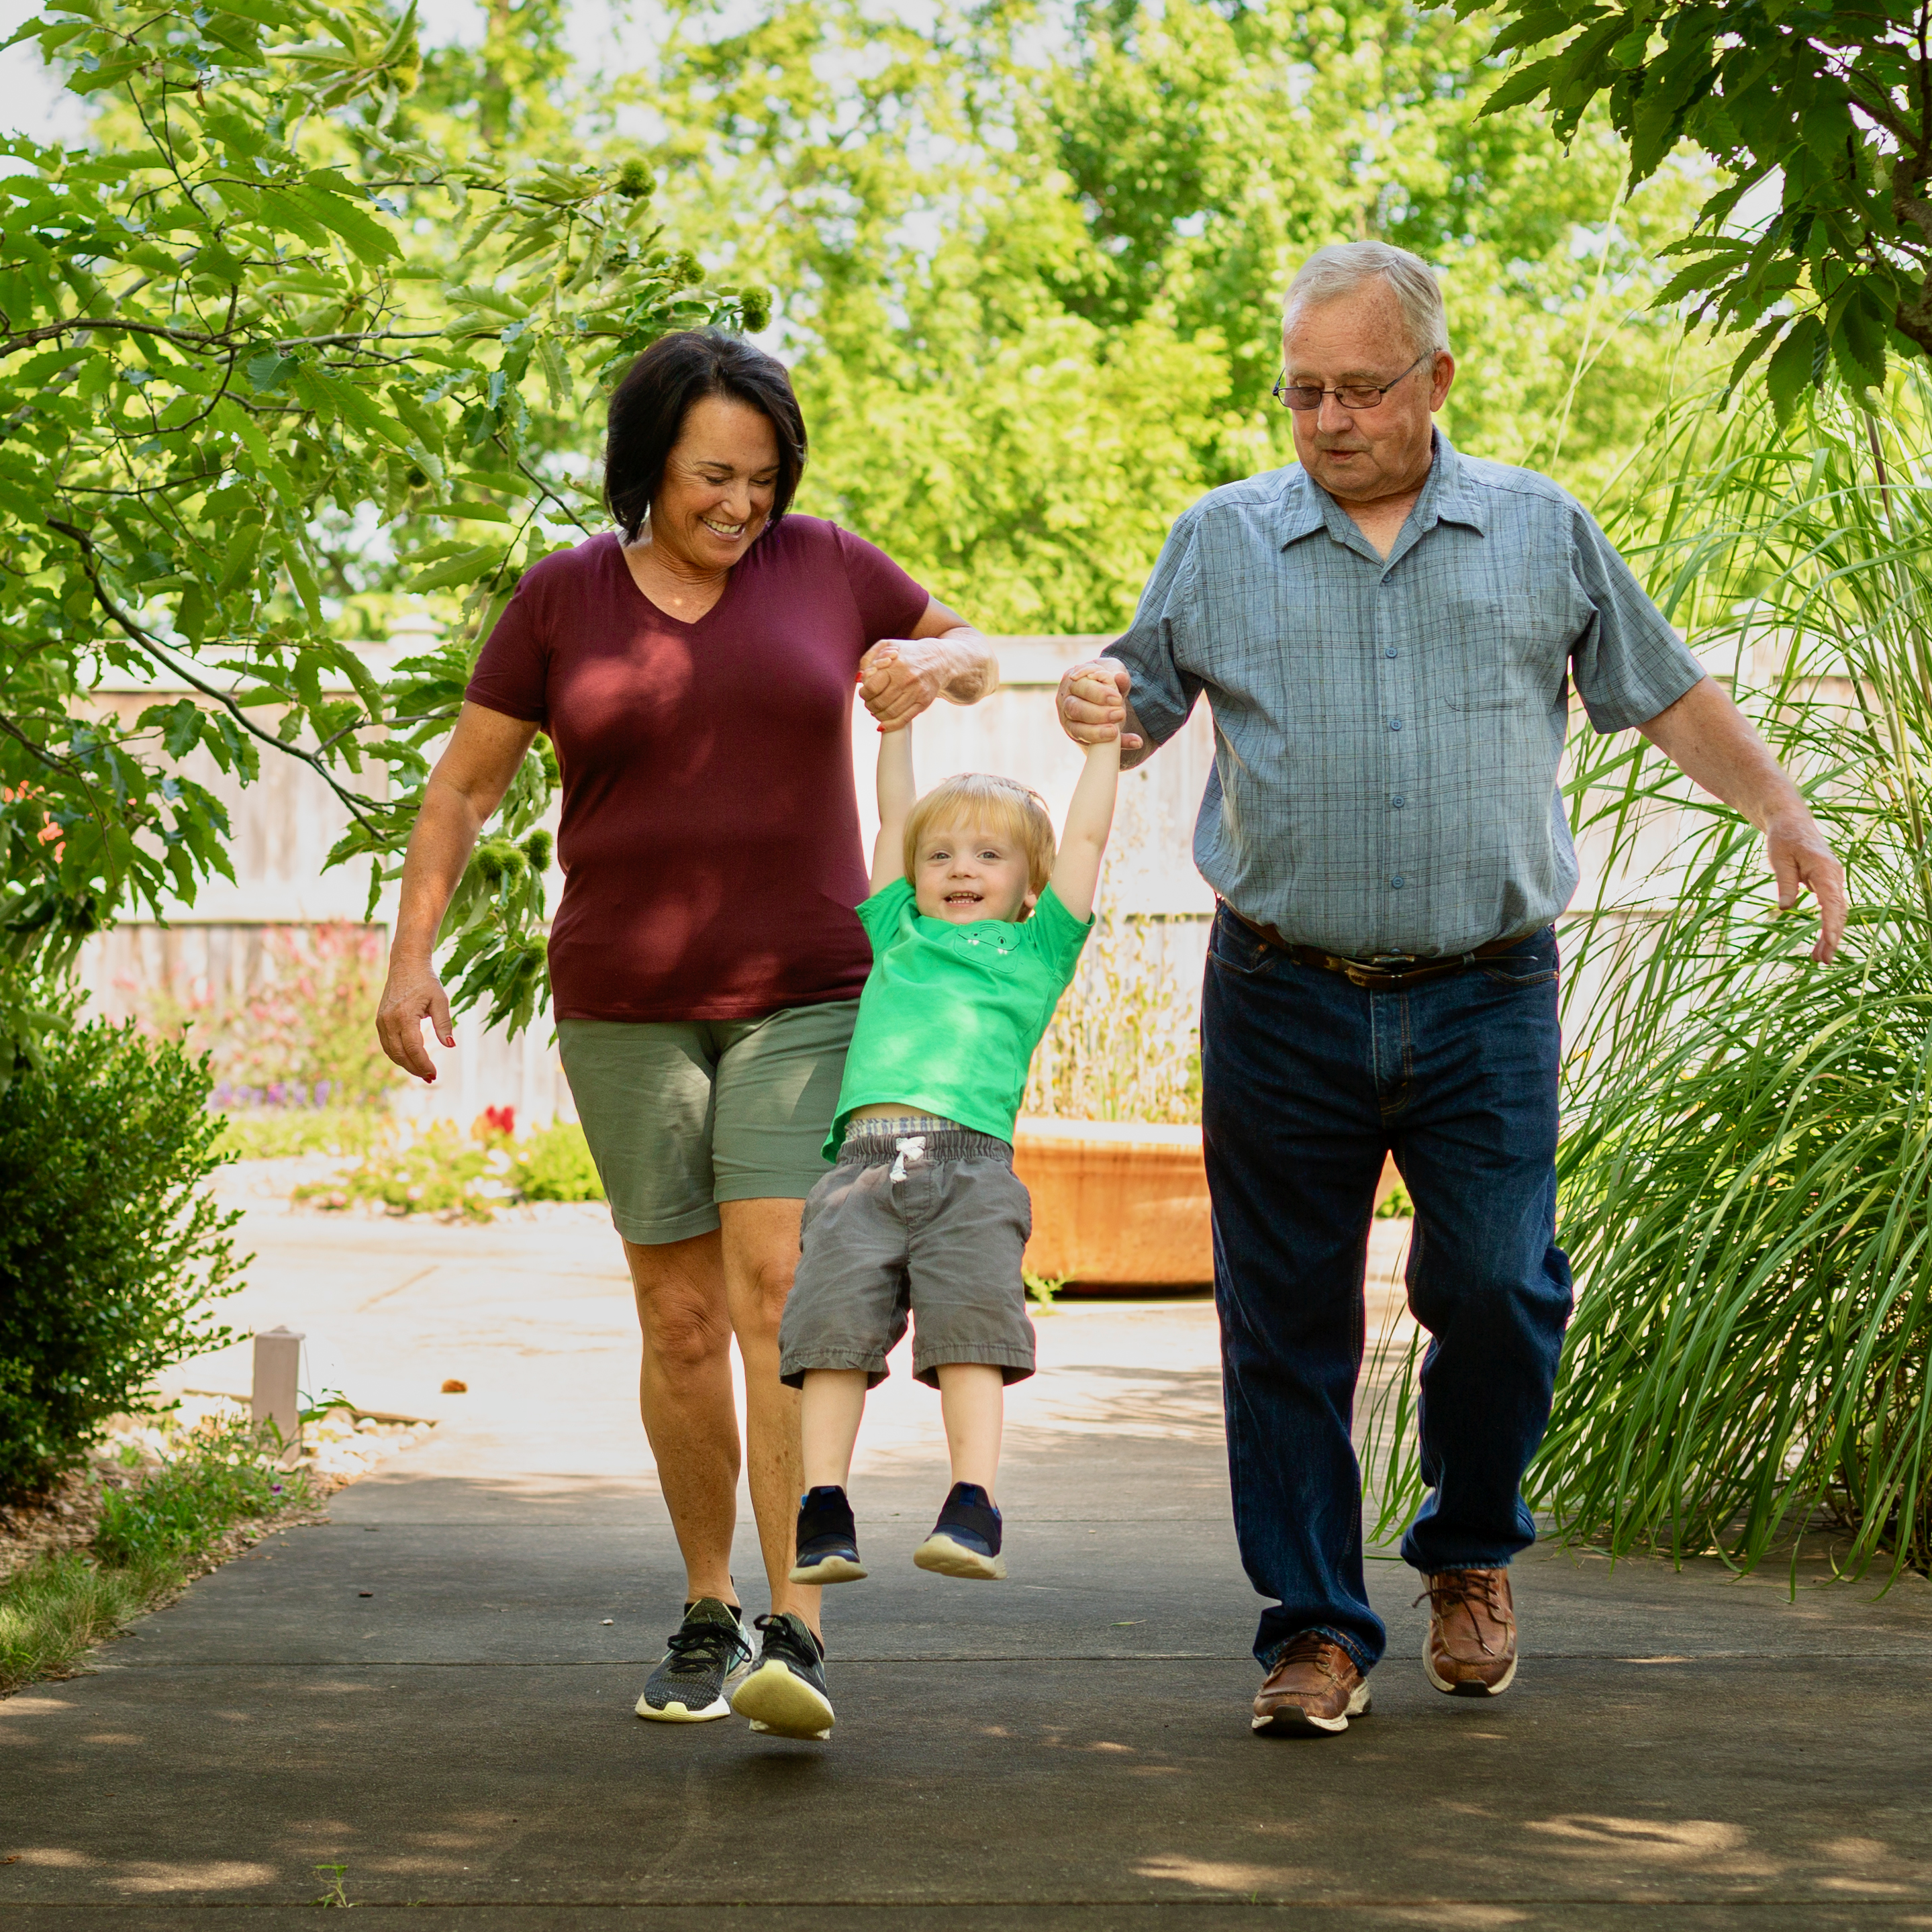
(112, 1253)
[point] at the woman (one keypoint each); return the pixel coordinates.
(694, 670)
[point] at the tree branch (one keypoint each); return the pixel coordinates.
(360, 808)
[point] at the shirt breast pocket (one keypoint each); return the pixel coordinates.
(1500, 651)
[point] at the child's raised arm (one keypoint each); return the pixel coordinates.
(1083, 840)
(898, 794)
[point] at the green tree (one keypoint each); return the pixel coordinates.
(1033, 257)
(275, 313)
(1834, 106)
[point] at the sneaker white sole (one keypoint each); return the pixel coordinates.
(776, 1699)
(828, 1569)
(1448, 1689)
(679, 1714)
(1291, 1718)
(945, 1557)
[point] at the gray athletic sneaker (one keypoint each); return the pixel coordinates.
(786, 1694)
(709, 1652)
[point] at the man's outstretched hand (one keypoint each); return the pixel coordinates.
(1092, 704)
(1801, 861)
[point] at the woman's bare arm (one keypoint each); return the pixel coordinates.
(467, 785)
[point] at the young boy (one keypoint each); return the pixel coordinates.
(976, 927)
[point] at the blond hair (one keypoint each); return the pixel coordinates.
(1003, 805)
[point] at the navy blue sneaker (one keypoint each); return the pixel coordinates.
(828, 1541)
(965, 1541)
(786, 1694)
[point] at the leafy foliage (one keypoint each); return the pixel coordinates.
(274, 314)
(554, 1164)
(1834, 102)
(1745, 1178)
(149, 1539)
(438, 1171)
(111, 1250)
(187, 1506)
(1031, 258)
(276, 1133)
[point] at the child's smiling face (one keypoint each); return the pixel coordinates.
(965, 872)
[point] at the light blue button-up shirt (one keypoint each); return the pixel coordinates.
(1387, 732)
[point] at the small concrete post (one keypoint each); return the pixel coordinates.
(278, 1373)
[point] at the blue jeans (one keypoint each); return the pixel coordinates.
(1308, 1081)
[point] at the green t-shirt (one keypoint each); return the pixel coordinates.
(951, 1014)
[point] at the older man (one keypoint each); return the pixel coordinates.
(1387, 635)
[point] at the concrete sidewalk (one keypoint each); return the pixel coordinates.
(425, 1691)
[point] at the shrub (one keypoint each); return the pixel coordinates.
(554, 1164)
(110, 1249)
(187, 1506)
(440, 1172)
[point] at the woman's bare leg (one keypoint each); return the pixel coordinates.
(760, 1253)
(684, 1393)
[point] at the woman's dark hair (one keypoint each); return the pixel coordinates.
(648, 405)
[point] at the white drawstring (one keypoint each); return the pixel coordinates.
(911, 1147)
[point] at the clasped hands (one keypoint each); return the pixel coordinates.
(900, 677)
(1092, 704)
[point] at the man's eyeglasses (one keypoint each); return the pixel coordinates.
(1350, 395)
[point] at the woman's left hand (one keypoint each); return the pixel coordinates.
(900, 677)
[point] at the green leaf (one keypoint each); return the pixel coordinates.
(180, 724)
(466, 567)
(1792, 368)
(268, 371)
(303, 578)
(1859, 340)
(328, 198)
(1523, 84)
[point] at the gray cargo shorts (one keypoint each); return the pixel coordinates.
(933, 1227)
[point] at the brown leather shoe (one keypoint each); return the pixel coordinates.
(1314, 1686)
(1470, 1651)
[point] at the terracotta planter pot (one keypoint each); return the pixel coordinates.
(1120, 1203)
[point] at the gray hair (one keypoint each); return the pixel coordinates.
(1342, 267)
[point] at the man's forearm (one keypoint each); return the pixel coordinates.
(1709, 739)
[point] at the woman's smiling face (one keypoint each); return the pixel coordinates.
(962, 873)
(718, 483)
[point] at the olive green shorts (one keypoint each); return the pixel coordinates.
(681, 1114)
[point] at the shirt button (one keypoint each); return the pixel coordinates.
(1390, 652)
(1395, 724)
(1398, 882)
(1397, 802)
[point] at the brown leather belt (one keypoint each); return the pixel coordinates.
(1376, 978)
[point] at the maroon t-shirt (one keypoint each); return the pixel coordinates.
(709, 839)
